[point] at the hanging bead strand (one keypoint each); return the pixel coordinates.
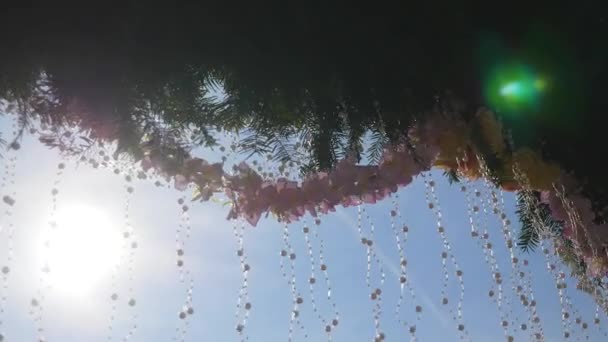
(433, 204)
(182, 237)
(403, 277)
(324, 268)
(130, 245)
(242, 306)
(7, 227)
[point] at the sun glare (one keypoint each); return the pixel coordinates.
(81, 250)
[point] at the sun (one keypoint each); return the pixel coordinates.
(79, 250)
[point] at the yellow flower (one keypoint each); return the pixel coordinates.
(491, 130)
(451, 143)
(541, 174)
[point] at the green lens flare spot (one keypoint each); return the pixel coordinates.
(514, 88)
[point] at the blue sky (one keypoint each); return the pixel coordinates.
(210, 254)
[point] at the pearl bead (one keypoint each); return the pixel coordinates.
(312, 280)
(283, 253)
(247, 306)
(378, 292)
(334, 322)
(323, 267)
(190, 311)
(182, 315)
(504, 323)
(292, 256)
(461, 327)
(444, 301)
(402, 279)
(524, 327)
(405, 229)
(418, 308)
(327, 328)
(299, 300)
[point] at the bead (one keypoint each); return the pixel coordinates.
(504, 323)
(312, 280)
(182, 315)
(132, 302)
(461, 327)
(370, 243)
(8, 200)
(327, 328)
(334, 322)
(246, 267)
(6, 269)
(405, 229)
(431, 206)
(283, 253)
(180, 263)
(578, 321)
(305, 230)
(180, 201)
(373, 296)
(114, 296)
(596, 321)
(432, 183)
(402, 279)
(247, 306)
(584, 325)
(418, 308)
(378, 292)
(491, 293)
(292, 256)
(323, 267)
(239, 328)
(299, 300)
(444, 301)
(463, 188)
(566, 334)
(440, 229)
(180, 252)
(34, 302)
(510, 338)
(459, 273)
(393, 213)
(536, 319)
(524, 327)
(54, 191)
(412, 329)
(444, 255)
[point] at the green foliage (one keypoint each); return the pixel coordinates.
(452, 176)
(535, 218)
